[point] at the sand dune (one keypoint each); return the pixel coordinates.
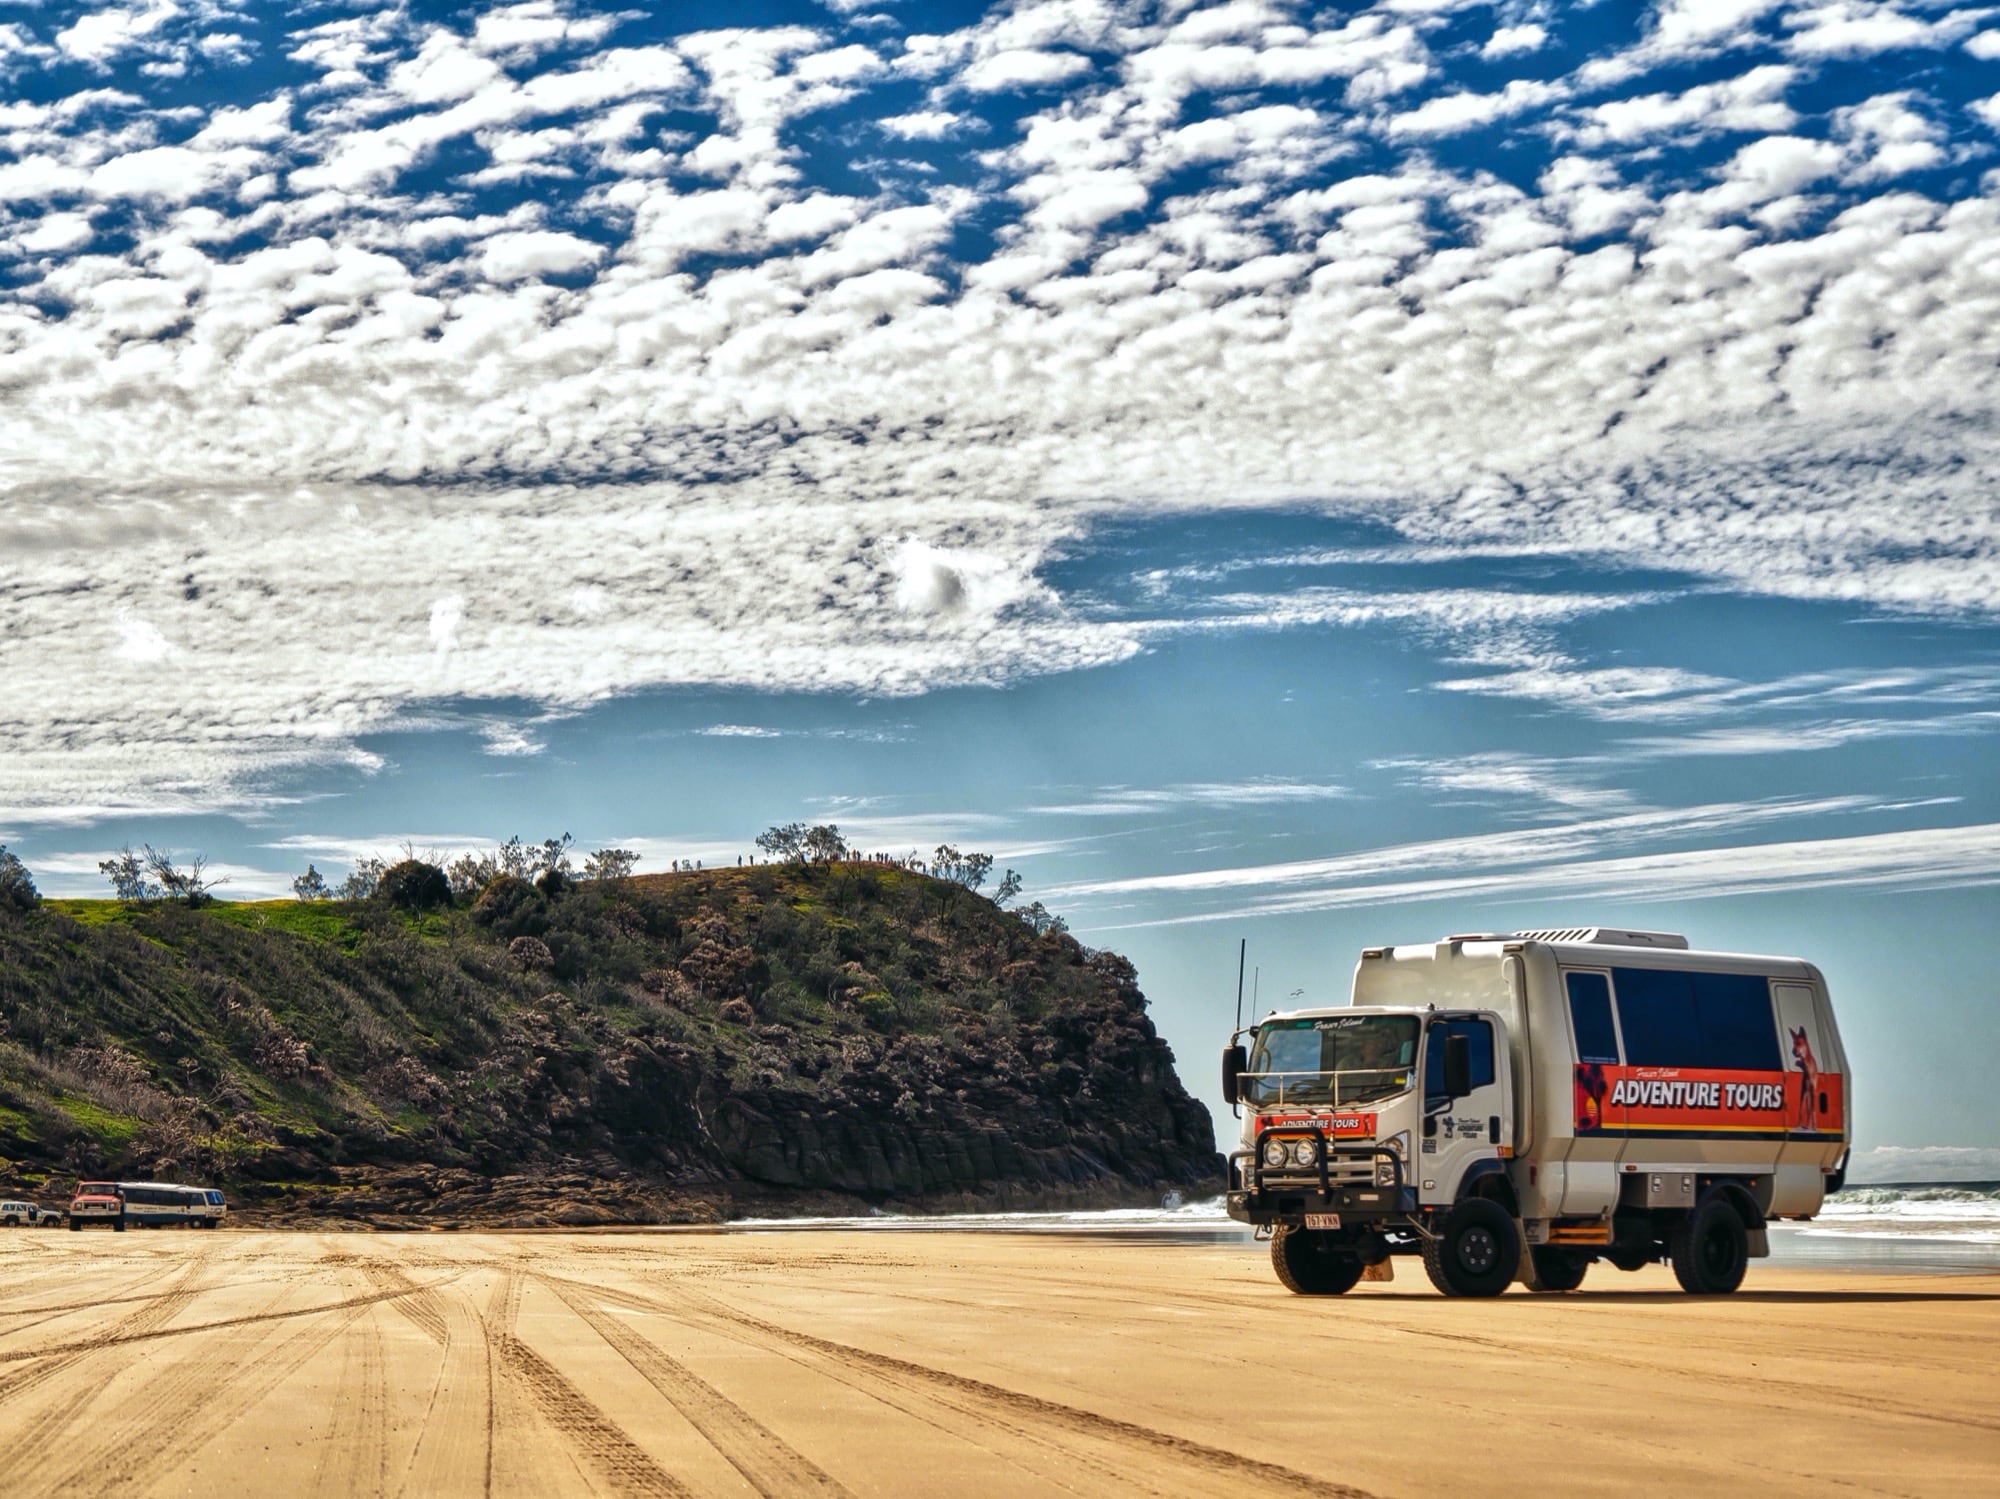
(865, 1364)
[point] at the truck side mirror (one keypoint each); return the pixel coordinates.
(1234, 1064)
(1457, 1065)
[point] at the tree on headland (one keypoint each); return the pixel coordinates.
(361, 880)
(413, 885)
(471, 873)
(823, 844)
(1010, 886)
(610, 864)
(127, 873)
(967, 870)
(312, 886)
(1041, 920)
(553, 871)
(17, 886)
(190, 886)
(783, 840)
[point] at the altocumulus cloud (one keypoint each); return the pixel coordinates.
(784, 356)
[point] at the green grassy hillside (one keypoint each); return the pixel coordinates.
(660, 1047)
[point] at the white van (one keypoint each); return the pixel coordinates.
(1522, 1105)
(15, 1214)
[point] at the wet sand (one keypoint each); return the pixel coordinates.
(923, 1364)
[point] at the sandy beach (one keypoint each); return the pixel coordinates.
(920, 1364)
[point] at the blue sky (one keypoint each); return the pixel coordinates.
(1319, 474)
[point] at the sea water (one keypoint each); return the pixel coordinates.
(1891, 1226)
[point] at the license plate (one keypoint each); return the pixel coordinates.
(1322, 1220)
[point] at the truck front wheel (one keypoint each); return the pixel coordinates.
(1710, 1249)
(1478, 1253)
(1309, 1263)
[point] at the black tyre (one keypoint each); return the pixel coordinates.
(119, 1223)
(1478, 1253)
(1710, 1249)
(1310, 1263)
(1557, 1269)
(75, 1226)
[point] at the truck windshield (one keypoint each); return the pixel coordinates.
(1337, 1060)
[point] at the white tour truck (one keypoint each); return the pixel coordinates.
(1519, 1105)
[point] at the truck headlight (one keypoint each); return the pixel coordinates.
(1305, 1152)
(1385, 1171)
(1275, 1153)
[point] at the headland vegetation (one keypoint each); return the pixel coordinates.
(831, 1034)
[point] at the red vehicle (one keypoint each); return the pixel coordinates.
(97, 1202)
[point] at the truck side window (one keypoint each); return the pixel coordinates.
(1590, 1017)
(1737, 1030)
(1716, 1021)
(1478, 1032)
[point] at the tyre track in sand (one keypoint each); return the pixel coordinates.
(1054, 1462)
(1005, 1423)
(767, 1462)
(356, 1446)
(32, 1440)
(1029, 1416)
(191, 1401)
(594, 1436)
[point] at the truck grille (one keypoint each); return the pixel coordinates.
(1341, 1171)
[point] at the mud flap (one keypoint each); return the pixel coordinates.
(1760, 1243)
(1380, 1270)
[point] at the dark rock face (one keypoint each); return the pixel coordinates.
(679, 1048)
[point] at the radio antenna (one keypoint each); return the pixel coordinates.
(1255, 975)
(1242, 951)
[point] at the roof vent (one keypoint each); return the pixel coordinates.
(1608, 936)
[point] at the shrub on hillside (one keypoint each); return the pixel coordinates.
(413, 885)
(17, 886)
(531, 953)
(511, 906)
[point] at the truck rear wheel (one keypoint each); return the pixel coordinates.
(1710, 1249)
(1309, 1263)
(1478, 1253)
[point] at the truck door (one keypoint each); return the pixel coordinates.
(1590, 1167)
(1458, 1133)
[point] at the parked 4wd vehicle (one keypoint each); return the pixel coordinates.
(97, 1202)
(1520, 1106)
(15, 1214)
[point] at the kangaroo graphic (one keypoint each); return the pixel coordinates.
(1808, 1080)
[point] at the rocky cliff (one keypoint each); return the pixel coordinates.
(668, 1048)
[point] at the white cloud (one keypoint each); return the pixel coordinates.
(527, 254)
(141, 641)
(1861, 28)
(1985, 46)
(923, 125)
(1754, 101)
(739, 731)
(102, 36)
(1915, 859)
(1510, 41)
(1453, 114)
(1127, 801)
(1024, 68)
(1771, 374)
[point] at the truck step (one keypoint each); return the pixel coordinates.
(1579, 1233)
